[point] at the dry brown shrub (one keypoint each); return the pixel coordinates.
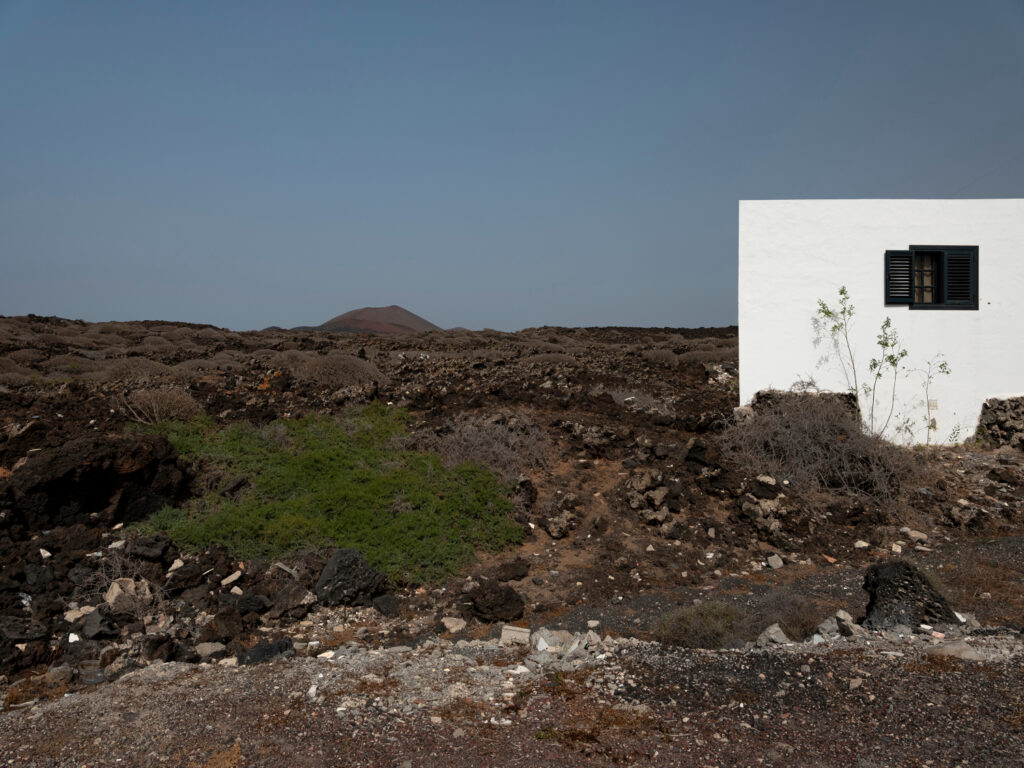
(156, 343)
(117, 565)
(190, 370)
(15, 379)
(702, 356)
(721, 624)
(210, 334)
(26, 356)
(664, 357)
(7, 365)
(507, 443)
(551, 358)
(134, 370)
(151, 406)
(228, 361)
(291, 359)
(177, 333)
(336, 370)
(485, 354)
(818, 444)
(75, 365)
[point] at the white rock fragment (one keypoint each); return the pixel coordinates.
(511, 635)
(453, 623)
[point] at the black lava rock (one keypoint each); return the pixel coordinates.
(496, 602)
(348, 579)
(265, 650)
(388, 605)
(899, 593)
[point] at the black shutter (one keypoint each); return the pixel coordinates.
(961, 272)
(899, 277)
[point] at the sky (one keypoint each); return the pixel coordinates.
(482, 164)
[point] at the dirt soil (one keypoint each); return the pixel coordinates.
(630, 512)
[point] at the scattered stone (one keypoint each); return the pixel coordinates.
(348, 579)
(265, 650)
(453, 624)
(154, 548)
(388, 605)
(775, 561)
(15, 629)
(209, 650)
(558, 526)
(847, 627)
(127, 596)
(511, 635)
(292, 601)
(227, 580)
(958, 649)
(772, 635)
(98, 625)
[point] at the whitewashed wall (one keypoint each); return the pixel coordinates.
(794, 252)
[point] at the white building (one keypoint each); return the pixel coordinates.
(949, 274)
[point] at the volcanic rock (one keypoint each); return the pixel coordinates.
(496, 602)
(900, 594)
(120, 479)
(348, 579)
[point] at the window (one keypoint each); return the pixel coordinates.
(933, 277)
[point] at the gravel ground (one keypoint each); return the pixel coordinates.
(870, 703)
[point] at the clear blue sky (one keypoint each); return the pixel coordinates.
(482, 164)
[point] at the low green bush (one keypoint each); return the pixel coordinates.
(319, 481)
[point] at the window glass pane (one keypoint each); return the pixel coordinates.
(926, 264)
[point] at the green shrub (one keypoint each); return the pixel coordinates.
(319, 482)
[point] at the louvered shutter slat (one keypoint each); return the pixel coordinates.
(960, 278)
(899, 287)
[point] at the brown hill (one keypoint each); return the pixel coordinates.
(387, 320)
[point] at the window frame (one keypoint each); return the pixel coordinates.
(942, 283)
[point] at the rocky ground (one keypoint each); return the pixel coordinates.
(117, 649)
